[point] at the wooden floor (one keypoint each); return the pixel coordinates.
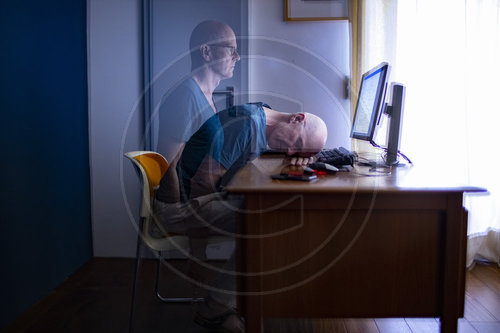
(97, 299)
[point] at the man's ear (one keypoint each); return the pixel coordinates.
(297, 118)
(205, 52)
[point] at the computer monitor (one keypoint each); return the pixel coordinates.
(370, 102)
(370, 107)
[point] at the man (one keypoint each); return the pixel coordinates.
(230, 139)
(186, 107)
(222, 145)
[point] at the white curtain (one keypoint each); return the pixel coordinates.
(447, 53)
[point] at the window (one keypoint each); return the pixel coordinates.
(447, 54)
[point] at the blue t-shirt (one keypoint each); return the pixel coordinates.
(232, 137)
(182, 112)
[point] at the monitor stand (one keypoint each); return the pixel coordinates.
(394, 112)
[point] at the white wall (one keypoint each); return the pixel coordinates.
(300, 66)
(114, 76)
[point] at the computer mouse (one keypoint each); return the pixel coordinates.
(325, 167)
(308, 170)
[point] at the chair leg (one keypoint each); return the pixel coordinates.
(170, 299)
(134, 286)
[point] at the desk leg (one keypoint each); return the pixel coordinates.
(253, 260)
(254, 315)
(449, 325)
(454, 264)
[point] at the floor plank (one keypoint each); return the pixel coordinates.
(289, 325)
(480, 292)
(361, 326)
(329, 325)
(489, 275)
(389, 325)
(486, 327)
(423, 325)
(465, 326)
(475, 311)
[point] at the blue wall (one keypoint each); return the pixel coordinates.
(44, 178)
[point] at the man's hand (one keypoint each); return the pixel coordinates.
(302, 160)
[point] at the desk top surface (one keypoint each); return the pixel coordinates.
(255, 177)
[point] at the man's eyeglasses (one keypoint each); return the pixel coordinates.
(233, 50)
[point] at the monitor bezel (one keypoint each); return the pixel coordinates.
(379, 102)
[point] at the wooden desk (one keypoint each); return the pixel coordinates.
(351, 245)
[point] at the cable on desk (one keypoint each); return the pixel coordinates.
(375, 172)
(384, 156)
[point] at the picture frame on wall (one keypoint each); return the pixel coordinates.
(316, 10)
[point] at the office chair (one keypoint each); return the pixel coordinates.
(151, 167)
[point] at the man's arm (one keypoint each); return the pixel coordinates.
(207, 177)
(170, 182)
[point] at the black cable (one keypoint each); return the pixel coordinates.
(405, 157)
(399, 153)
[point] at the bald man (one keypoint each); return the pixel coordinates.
(188, 105)
(194, 205)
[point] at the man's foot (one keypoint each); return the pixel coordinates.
(233, 324)
(215, 316)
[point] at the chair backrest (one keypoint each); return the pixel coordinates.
(151, 167)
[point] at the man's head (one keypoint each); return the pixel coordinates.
(297, 133)
(213, 44)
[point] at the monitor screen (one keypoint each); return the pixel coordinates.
(370, 102)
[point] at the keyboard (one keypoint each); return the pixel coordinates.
(337, 156)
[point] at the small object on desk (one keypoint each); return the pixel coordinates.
(292, 176)
(323, 167)
(296, 172)
(308, 170)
